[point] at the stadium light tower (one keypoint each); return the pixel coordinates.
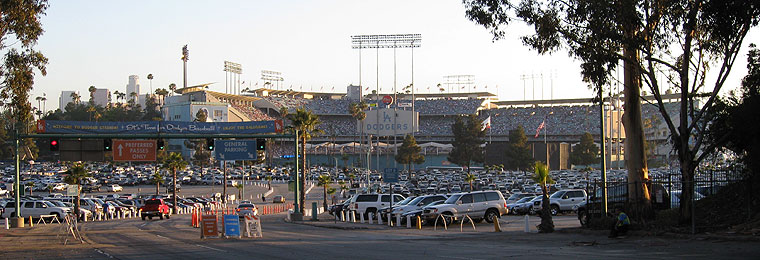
(377, 42)
(233, 71)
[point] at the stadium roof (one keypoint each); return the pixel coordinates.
(260, 92)
(578, 101)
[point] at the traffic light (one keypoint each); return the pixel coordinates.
(210, 144)
(261, 144)
(160, 145)
(54, 144)
(107, 144)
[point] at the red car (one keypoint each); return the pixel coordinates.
(154, 207)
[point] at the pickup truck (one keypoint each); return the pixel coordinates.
(154, 207)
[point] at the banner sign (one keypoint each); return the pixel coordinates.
(155, 127)
(134, 150)
(236, 150)
(389, 122)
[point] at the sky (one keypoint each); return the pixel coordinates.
(101, 43)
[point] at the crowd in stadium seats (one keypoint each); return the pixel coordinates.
(447, 106)
(288, 102)
(338, 125)
(329, 106)
(252, 113)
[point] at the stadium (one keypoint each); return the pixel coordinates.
(564, 120)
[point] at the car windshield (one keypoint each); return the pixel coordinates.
(453, 199)
(405, 201)
(416, 201)
(49, 204)
(435, 203)
(526, 199)
(246, 206)
(536, 198)
(514, 196)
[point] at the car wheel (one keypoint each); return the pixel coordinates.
(150, 217)
(532, 211)
(491, 215)
(554, 210)
(167, 216)
(160, 216)
(583, 218)
(143, 217)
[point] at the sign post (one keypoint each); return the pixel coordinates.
(72, 190)
(390, 175)
(134, 150)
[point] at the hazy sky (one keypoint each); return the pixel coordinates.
(101, 43)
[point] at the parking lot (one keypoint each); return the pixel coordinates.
(174, 238)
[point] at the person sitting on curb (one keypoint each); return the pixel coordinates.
(621, 224)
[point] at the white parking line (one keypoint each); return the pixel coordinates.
(103, 253)
(162, 236)
(206, 247)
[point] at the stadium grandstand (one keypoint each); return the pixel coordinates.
(565, 120)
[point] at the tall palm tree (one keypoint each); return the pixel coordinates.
(543, 179)
(172, 88)
(92, 94)
(150, 79)
(74, 176)
(305, 122)
(174, 162)
(357, 112)
(470, 178)
(44, 104)
(118, 95)
(324, 182)
(158, 179)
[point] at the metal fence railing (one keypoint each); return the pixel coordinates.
(720, 197)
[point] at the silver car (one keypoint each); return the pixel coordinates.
(247, 209)
(478, 205)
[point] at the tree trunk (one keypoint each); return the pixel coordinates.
(547, 224)
(224, 184)
(302, 180)
(640, 205)
(158, 186)
(324, 194)
(76, 205)
(687, 190)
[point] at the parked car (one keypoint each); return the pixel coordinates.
(371, 203)
(115, 188)
(562, 200)
(420, 212)
(519, 207)
(478, 205)
(34, 209)
(415, 204)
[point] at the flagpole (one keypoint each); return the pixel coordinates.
(546, 145)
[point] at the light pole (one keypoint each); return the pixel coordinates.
(185, 57)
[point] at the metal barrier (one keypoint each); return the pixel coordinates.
(461, 223)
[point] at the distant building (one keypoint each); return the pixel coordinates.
(65, 99)
(185, 107)
(133, 86)
(102, 97)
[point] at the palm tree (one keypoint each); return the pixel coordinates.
(470, 178)
(174, 162)
(92, 94)
(357, 112)
(39, 100)
(305, 122)
(117, 94)
(239, 187)
(172, 88)
(74, 96)
(162, 93)
(158, 179)
(97, 116)
(324, 182)
(74, 176)
(150, 79)
(543, 179)
(44, 104)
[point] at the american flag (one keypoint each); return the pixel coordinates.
(541, 126)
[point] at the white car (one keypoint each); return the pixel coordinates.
(115, 188)
(478, 205)
(371, 203)
(35, 209)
